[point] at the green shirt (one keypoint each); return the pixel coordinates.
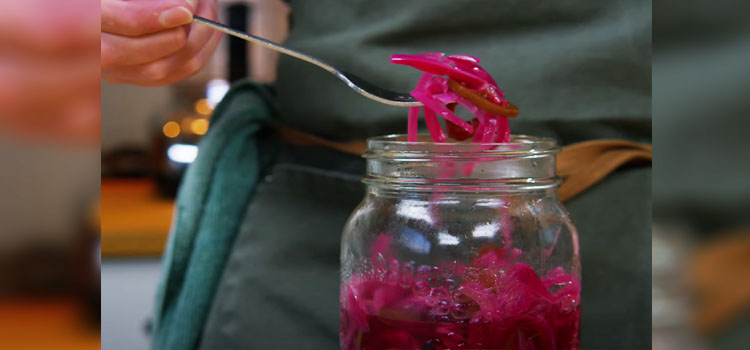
(558, 61)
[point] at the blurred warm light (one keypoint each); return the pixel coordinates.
(182, 153)
(199, 126)
(202, 107)
(185, 123)
(171, 129)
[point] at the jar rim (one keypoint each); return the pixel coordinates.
(397, 146)
(525, 163)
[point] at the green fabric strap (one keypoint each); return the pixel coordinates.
(210, 207)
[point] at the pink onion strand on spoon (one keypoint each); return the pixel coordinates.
(438, 99)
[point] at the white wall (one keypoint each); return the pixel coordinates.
(126, 113)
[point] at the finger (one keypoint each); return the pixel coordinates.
(161, 69)
(80, 120)
(38, 86)
(49, 28)
(157, 72)
(195, 65)
(75, 122)
(117, 50)
(140, 17)
(181, 72)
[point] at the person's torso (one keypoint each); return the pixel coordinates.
(572, 61)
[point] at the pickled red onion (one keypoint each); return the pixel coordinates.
(433, 92)
(499, 303)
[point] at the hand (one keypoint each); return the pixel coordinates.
(49, 70)
(150, 42)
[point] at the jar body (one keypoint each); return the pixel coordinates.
(460, 269)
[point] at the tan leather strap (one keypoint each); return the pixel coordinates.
(580, 165)
(718, 275)
(583, 164)
(300, 138)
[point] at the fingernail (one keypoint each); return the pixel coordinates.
(193, 4)
(175, 17)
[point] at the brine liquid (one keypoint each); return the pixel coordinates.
(530, 333)
(494, 303)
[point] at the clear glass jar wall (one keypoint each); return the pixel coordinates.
(460, 246)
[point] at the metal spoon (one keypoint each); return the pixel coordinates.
(359, 85)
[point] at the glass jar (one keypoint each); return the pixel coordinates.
(460, 246)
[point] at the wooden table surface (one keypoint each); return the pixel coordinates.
(51, 323)
(135, 220)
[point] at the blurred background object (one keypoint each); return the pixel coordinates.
(701, 193)
(49, 65)
(671, 305)
(49, 247)
(149, 136)
(718, 276)
(49, 137)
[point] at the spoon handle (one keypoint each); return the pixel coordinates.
(266, 43)
(358, 84)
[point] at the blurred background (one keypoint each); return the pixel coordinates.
(149, 137)
(49, 175)
(701, 193)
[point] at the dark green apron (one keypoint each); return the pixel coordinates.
(260, 268)
(280, 286)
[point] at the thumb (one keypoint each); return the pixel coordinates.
(140, 17)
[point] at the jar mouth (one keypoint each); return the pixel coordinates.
(525, 163)
(397, 146)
